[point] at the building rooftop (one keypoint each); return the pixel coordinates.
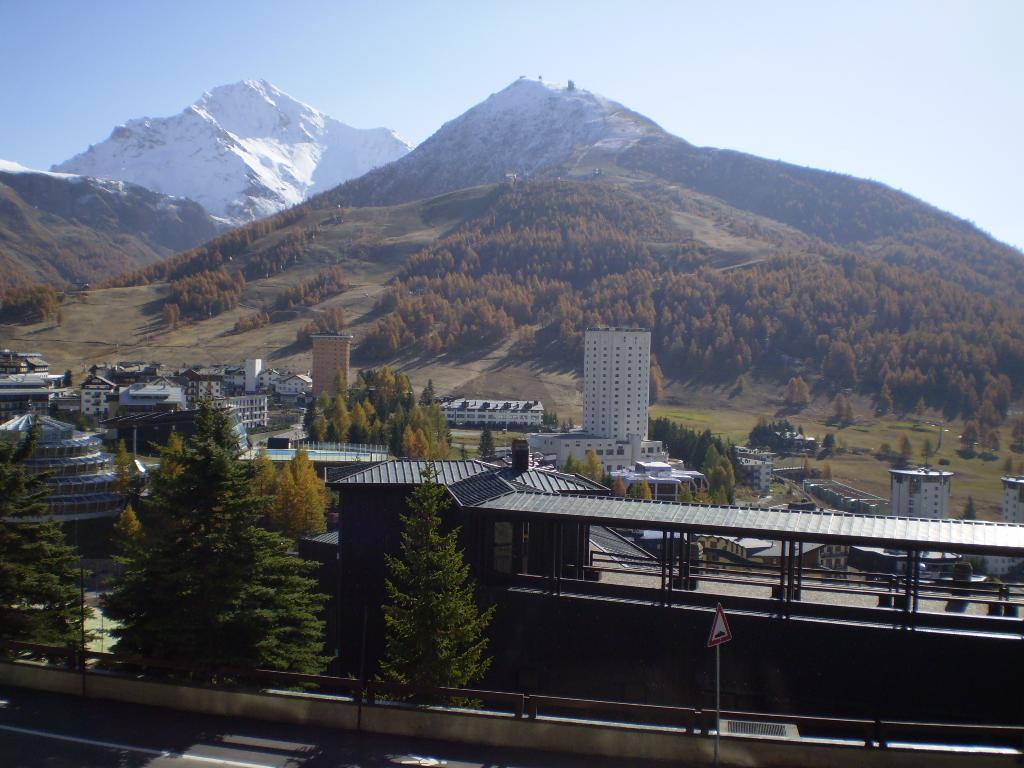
(825, 526)
(50, 429)
(410, 472)
(470, 481)
(462, 403)
(921, 472)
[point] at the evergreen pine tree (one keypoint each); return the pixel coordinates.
(39, 592)
(970, 513)
(433, 627)
(572, 466)
(486, 448)
(211, 587)
(427, 396)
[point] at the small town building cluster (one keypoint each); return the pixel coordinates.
(125, 397)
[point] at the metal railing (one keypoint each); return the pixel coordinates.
(869, 733)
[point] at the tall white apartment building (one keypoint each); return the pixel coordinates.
(253, 367)
(616, 382)
(1013, 512)
(616, 397)
(921, 492)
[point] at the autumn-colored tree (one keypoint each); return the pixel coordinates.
(171, 313)
(842, 411)
(359, 428)
(592, 466)
(618, 487)
(656, 381)
(797, 392)
(640, 489)
(264, 479)
(969, 436)
(339, 418)
(300, 499)
(885, 403)
(414, 443)
(124, 468)
(840, 364)
(127, 530)
(318, 428)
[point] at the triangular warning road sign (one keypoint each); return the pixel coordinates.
(720, 632)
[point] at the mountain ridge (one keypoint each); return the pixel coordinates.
(244, 151)
(63, 229)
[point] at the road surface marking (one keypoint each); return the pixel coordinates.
(130, 748)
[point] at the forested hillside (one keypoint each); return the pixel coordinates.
(552, 258)
(65, 230)
(857, 214)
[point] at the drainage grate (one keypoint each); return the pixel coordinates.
(755, 728)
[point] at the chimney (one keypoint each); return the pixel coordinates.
(520, 455)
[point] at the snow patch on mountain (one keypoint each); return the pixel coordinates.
(9, 166)
(526, 128)
(242, 151)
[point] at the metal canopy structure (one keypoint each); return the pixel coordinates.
(824, 526)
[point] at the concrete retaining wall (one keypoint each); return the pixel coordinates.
(627, 742)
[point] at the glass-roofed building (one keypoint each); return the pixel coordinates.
(80, 477)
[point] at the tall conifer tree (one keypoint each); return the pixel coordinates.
(39, 594)
(434, 629)
(210, 587)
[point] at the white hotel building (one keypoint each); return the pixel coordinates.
(921, 492)
(495, 414)
(1013, 512)
(616, 398)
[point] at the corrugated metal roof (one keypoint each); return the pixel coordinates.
(410, 472)
(797, 525)
(330, 537)
(551, 482)
(474, 490)
(334, 474)
(614, 543)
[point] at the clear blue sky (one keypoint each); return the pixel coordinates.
(925, 96)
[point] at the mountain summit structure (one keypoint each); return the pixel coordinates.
(242, 151)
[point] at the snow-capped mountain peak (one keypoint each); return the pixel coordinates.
(526, 128)
(243, 151)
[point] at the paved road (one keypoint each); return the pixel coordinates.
(40, 730)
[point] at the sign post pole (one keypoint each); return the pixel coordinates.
(718, 699)
(720, 634)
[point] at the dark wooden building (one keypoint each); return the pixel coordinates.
(631, 627)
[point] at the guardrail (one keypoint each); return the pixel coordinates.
(870, 733)
(889, 589)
